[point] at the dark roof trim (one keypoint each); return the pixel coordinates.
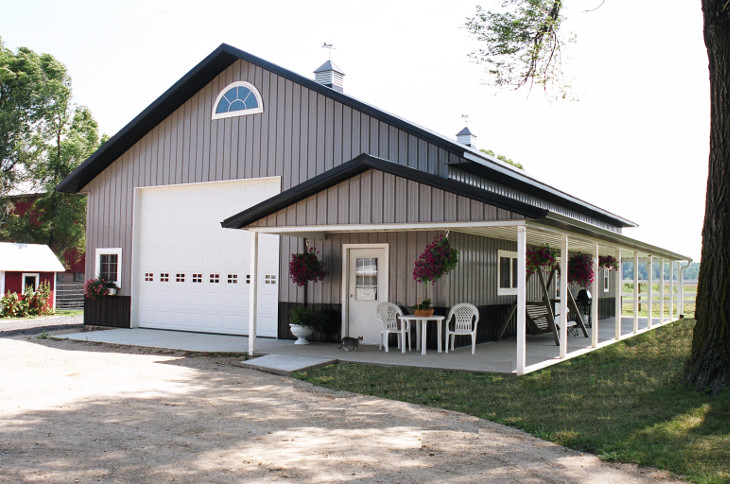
(359, 165)
(194, 81)
(526, 184)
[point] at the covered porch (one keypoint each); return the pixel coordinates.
(521, 353)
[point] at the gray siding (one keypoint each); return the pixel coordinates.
(493, 186)
(299, 135)
(375, 197)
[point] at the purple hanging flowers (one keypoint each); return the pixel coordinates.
(607, 261)
(580, 270)
(436, 261)
(306, 267)
(539, 257)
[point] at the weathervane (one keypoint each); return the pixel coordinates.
(325, 45)
(465, 117)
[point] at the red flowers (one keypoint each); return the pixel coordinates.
(436, 261)
(306, 267)
(540, 257)
(607, 261)
(580, 270)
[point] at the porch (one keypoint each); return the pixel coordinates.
(493, 356)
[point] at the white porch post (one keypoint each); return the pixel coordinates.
(661, 291)
(521, 299)
(671, 290)
(564, 297)
(650, 295)
(618, 289)
(594, 305)
(253, 296)
(636, 292)
(681, 287)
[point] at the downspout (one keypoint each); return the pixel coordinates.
(681, 287)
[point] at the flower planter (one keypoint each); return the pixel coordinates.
(423, 312)
(301, 332)
(111, 291)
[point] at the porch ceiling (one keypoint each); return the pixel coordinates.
(549, 230)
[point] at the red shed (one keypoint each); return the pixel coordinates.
(24, 265)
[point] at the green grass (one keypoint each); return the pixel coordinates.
(626, 402)
(60, 312)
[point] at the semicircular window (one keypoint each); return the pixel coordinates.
(237, 99)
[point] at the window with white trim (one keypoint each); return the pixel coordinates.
(31, 279)
(506, 273)
(606, 280)
(237, 99)
(109, 265)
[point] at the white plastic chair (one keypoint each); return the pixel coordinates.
(389, 316)
(466, 318)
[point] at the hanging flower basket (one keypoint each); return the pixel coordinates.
(540, 257)
(580, 270)
(306, 267)
(437, 260)
(607, 261)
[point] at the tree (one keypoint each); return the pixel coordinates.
(522, 47)
(30, 85)
(503, 158)
(47, 137)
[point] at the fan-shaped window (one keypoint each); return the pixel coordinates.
(237, 99)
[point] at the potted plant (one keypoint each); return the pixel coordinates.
(423, 308)
(437, 260)
(98, 287)
(303, 321)
(306, 320)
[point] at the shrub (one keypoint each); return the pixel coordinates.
(30, 303)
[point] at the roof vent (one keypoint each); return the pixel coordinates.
(330, 75)
(466, 137)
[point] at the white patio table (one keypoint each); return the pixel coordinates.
(422, 323)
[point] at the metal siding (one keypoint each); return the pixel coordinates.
(299, 134)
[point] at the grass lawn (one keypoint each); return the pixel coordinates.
(625, 402)
(60, 312)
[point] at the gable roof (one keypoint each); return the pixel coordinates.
(28, 258)
(366, 162)
(225, 55)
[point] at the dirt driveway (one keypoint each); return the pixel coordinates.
(83, 412)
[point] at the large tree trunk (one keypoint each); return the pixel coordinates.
(709, 364)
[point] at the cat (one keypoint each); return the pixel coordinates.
(350, 343)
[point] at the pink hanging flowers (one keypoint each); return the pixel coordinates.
(539, 257)
(607, 261)
(580, 270)
(436, 261)
(306, 267)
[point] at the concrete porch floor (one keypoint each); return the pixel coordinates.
(495, 356)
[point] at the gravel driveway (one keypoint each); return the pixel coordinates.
(85, 412)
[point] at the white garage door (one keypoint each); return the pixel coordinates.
(193, 275)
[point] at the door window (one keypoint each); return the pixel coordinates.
(366, 278)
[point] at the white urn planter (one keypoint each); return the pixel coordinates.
(111, 291)
(301, 332)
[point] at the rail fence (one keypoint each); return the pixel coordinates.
(70, 295)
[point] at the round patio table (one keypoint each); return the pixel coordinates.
(422, 323)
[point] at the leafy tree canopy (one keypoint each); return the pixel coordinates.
(43, 137)
(503, 158)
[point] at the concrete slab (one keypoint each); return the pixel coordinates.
(494, 356)
(174, 340)
(286, 364)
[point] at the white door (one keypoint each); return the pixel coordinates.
(367, 286)
(193, 275)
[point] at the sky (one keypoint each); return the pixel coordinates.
(633, 140)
